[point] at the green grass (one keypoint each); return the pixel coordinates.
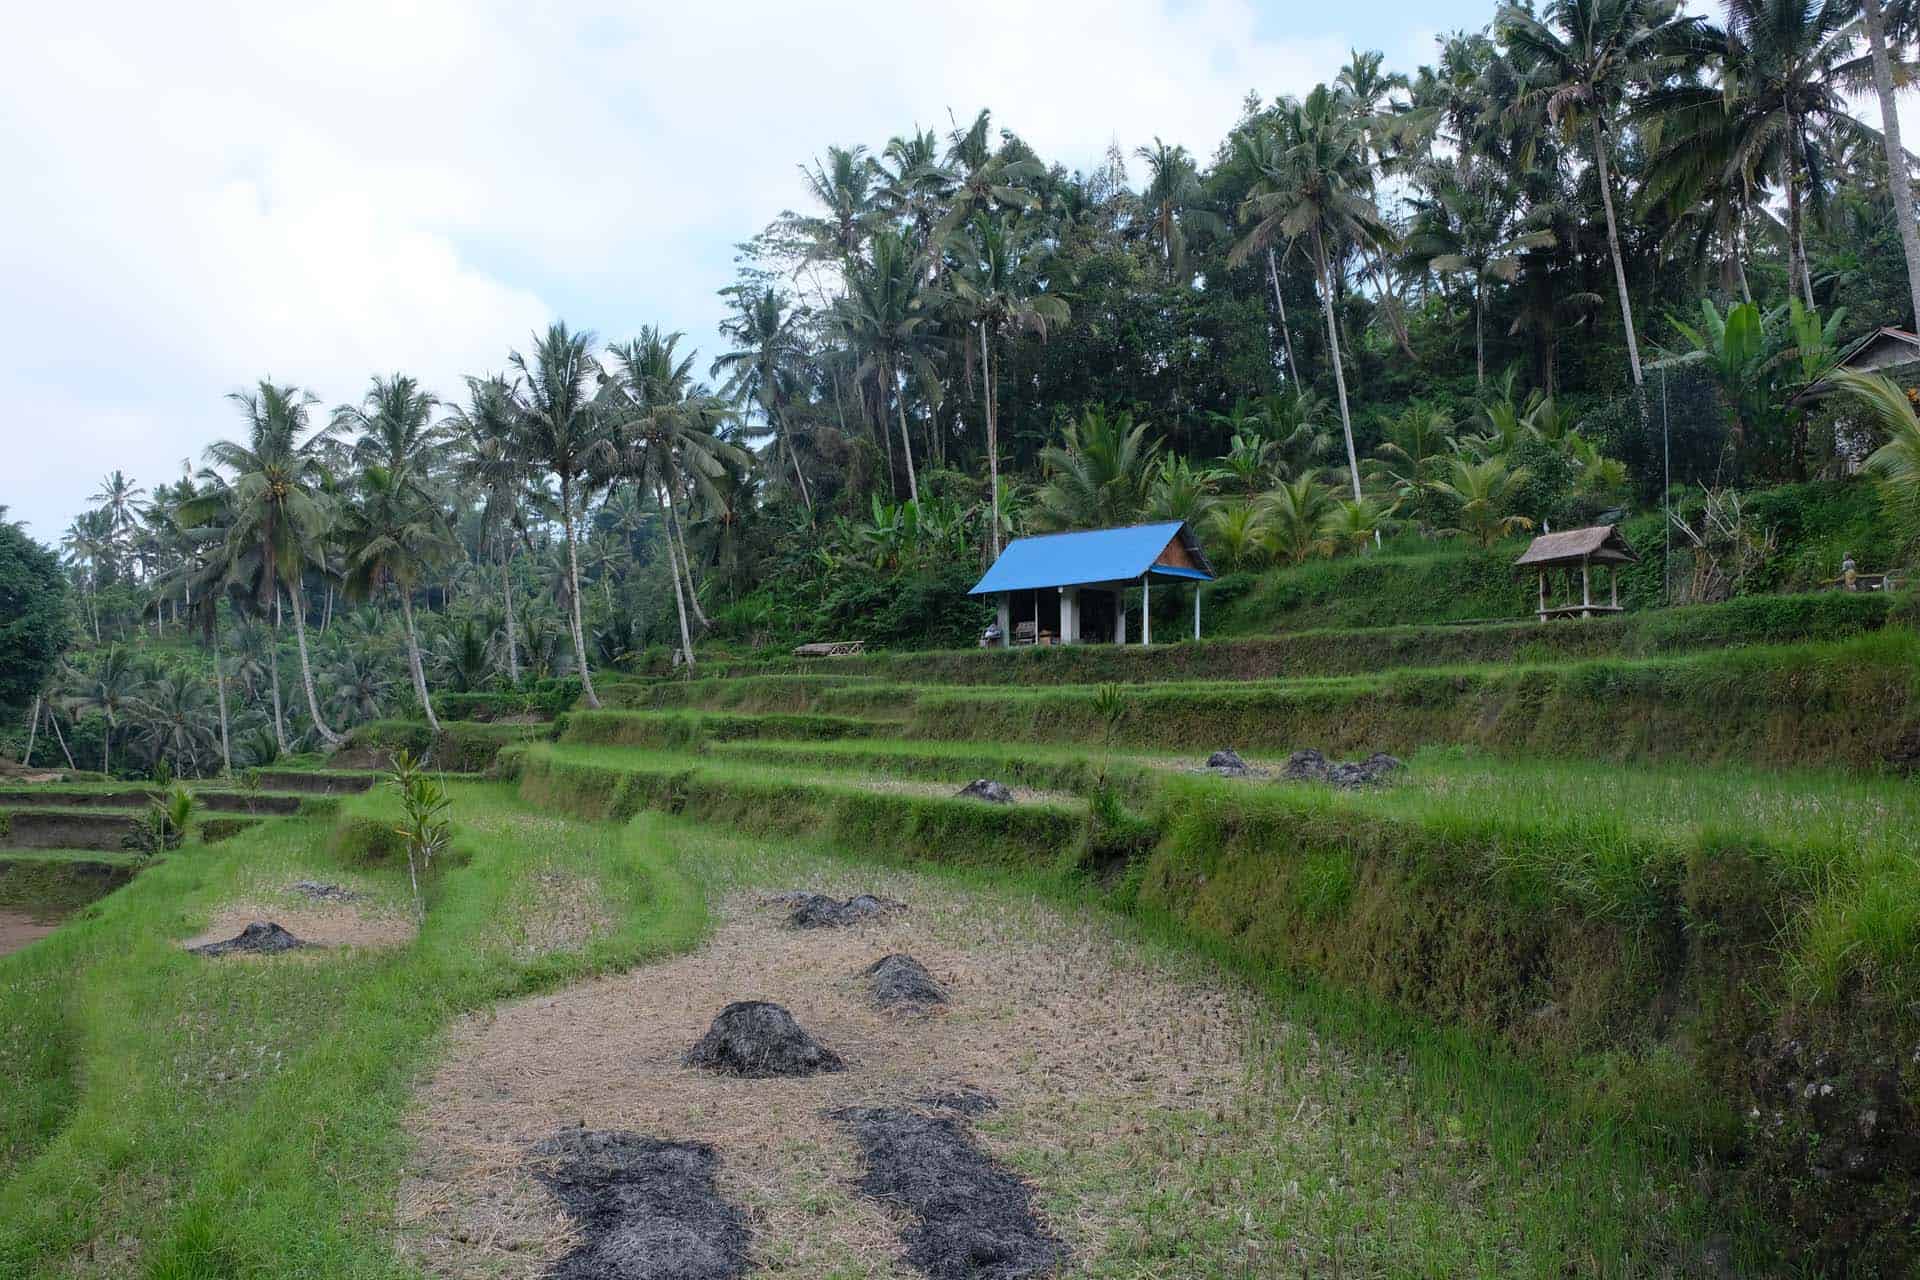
(243, 1119)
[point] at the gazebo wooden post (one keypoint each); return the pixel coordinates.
(1196, 611)
(1543, 595)
(1613, 583)
(1586, 589)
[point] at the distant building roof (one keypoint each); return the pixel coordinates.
(1601, 543)
(1166, 550)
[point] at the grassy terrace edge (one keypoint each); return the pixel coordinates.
(1852, 704)
(1658, 975)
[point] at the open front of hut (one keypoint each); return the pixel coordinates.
(1577, 552)
(1075, 588)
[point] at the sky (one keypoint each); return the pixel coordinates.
(200, 195)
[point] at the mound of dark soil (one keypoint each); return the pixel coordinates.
(1227, 759)
(648, 1208)
(817, 911)
(1309, 765)
(986, 789)
(759, 1040)
(325, 892)
(964, 1100)
(256, 939)
(901, 980)
(972, 1219)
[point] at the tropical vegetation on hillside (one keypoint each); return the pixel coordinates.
(1590, 255)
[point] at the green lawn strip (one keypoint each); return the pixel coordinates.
(244, 1118)
(1041, 766)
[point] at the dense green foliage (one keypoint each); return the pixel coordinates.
(34, 629)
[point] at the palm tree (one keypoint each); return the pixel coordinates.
(1239, 537)
(1785, 69)
(395, 533)
(760, 369)
(843, 184)
(274, 509)
(1099, 475)
(1483, 491)
(1895, 465)
(1418, 442)
(666, 431)
(1314, 184)
(1180, 491)
(112, 688)
(1297, 512)
(486, 430)
(1584, 57)
(1173, 202)
(392, 427)
(881, 316)
(987, 181)
(1900, 180)
(175, 722)
(88, 541)
(562, 429)
(1472, 226)
(1355, 526)
(995, 302)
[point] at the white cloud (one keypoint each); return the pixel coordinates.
(206, 194)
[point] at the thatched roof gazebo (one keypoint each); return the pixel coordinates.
(1583, 548)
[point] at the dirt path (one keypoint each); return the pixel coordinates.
(1084, 1040)
(17, 929)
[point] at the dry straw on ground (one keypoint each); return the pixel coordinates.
(1082, 1037)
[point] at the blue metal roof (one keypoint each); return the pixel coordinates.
(1096, 555)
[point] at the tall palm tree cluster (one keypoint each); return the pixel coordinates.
(1435, 302)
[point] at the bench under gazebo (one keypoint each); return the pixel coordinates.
(1579, 549)
(1069, 588)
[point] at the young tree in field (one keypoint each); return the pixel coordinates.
(274, 509)
(1314, 185)
(1582, 58)
(562, 430)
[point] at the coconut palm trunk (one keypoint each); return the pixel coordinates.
(506, 593)
(413, 660)
(1479, 335)
(1613, 248)
(1286, 332)
(33, 728)
(993, 439)
(220, 692)
(1800, 276)
(900, 406)
(679, 599)
(1333, 344)
(676, 532)
(273, 673)
(573, 594)
(327, 735)
(1898, 176)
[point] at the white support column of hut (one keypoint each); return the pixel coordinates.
(1583, 549)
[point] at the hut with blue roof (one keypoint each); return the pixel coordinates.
(1073, 588)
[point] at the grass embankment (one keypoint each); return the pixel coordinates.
(173, 1116)
(1653, 936)
(1825, 616)
(1851, 704)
